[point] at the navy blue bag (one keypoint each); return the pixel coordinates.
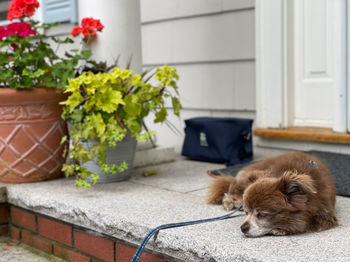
(220, 140)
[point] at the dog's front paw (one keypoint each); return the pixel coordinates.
(278, 232)
(228, 202)
(231, 201)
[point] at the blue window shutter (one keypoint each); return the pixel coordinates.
(59, 11)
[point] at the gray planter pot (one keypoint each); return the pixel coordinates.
(124, 151)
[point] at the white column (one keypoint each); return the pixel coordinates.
(122, 33)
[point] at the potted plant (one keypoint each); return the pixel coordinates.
(106, 110)
(32, 77)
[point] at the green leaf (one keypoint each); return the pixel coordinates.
(82, 154)
(161, 115)
(123, 166)
(133, 125)
(82, 183)
(87, 130)
(68, 169)
(110, 100)
(98, 149)
(86, 54)
(176, 105)
(131, 106)
(97, 122)
(67, 40)
(94, 178)
(149, 173)
(63, 140)
(76, 116)
(31, 74)
(73, 101)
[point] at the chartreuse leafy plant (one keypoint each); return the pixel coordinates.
(106, 107)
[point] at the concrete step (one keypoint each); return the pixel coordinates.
(128, 210)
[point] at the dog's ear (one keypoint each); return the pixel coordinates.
(295, 184)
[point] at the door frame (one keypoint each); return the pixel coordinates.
(347, 19)
(274, 64)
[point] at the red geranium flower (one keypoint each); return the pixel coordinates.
(14, 46)
(76, 31)
(92, 24)
(88, 27)
(22, 8)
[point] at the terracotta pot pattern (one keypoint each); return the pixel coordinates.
(30, 136)
(28, 113)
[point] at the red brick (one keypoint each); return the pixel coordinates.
(15, 233)
(4, 230)
(36, 241)
(96, 246)
(69, 255)
(125, 254)
(57, 231)
(4, 214)
(23, 218)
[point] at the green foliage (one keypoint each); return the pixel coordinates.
(34, 63)
(106, 107)
(150, 173)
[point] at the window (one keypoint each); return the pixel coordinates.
(4, 5)
(59, 11)
(52, 11)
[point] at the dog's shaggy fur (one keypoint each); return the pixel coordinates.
(287, 194)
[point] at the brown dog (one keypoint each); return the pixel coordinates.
(287, 194)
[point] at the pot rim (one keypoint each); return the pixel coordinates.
(10, 96)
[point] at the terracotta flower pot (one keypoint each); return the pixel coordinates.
(31, 129)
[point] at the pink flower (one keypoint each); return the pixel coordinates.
(20, 28)
(3, 32)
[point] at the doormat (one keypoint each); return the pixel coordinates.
(338, 164)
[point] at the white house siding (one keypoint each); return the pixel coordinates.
(211, 43)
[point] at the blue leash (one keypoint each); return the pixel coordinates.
(137, 255)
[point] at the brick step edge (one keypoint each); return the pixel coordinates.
(4, 219)
(67, 241)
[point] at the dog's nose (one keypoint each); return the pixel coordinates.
(245, 228)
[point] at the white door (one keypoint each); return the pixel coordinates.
(319, 64)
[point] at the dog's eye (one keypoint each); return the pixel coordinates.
(261, 215)
(246, 213)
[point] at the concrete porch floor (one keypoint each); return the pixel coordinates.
(129, 210)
